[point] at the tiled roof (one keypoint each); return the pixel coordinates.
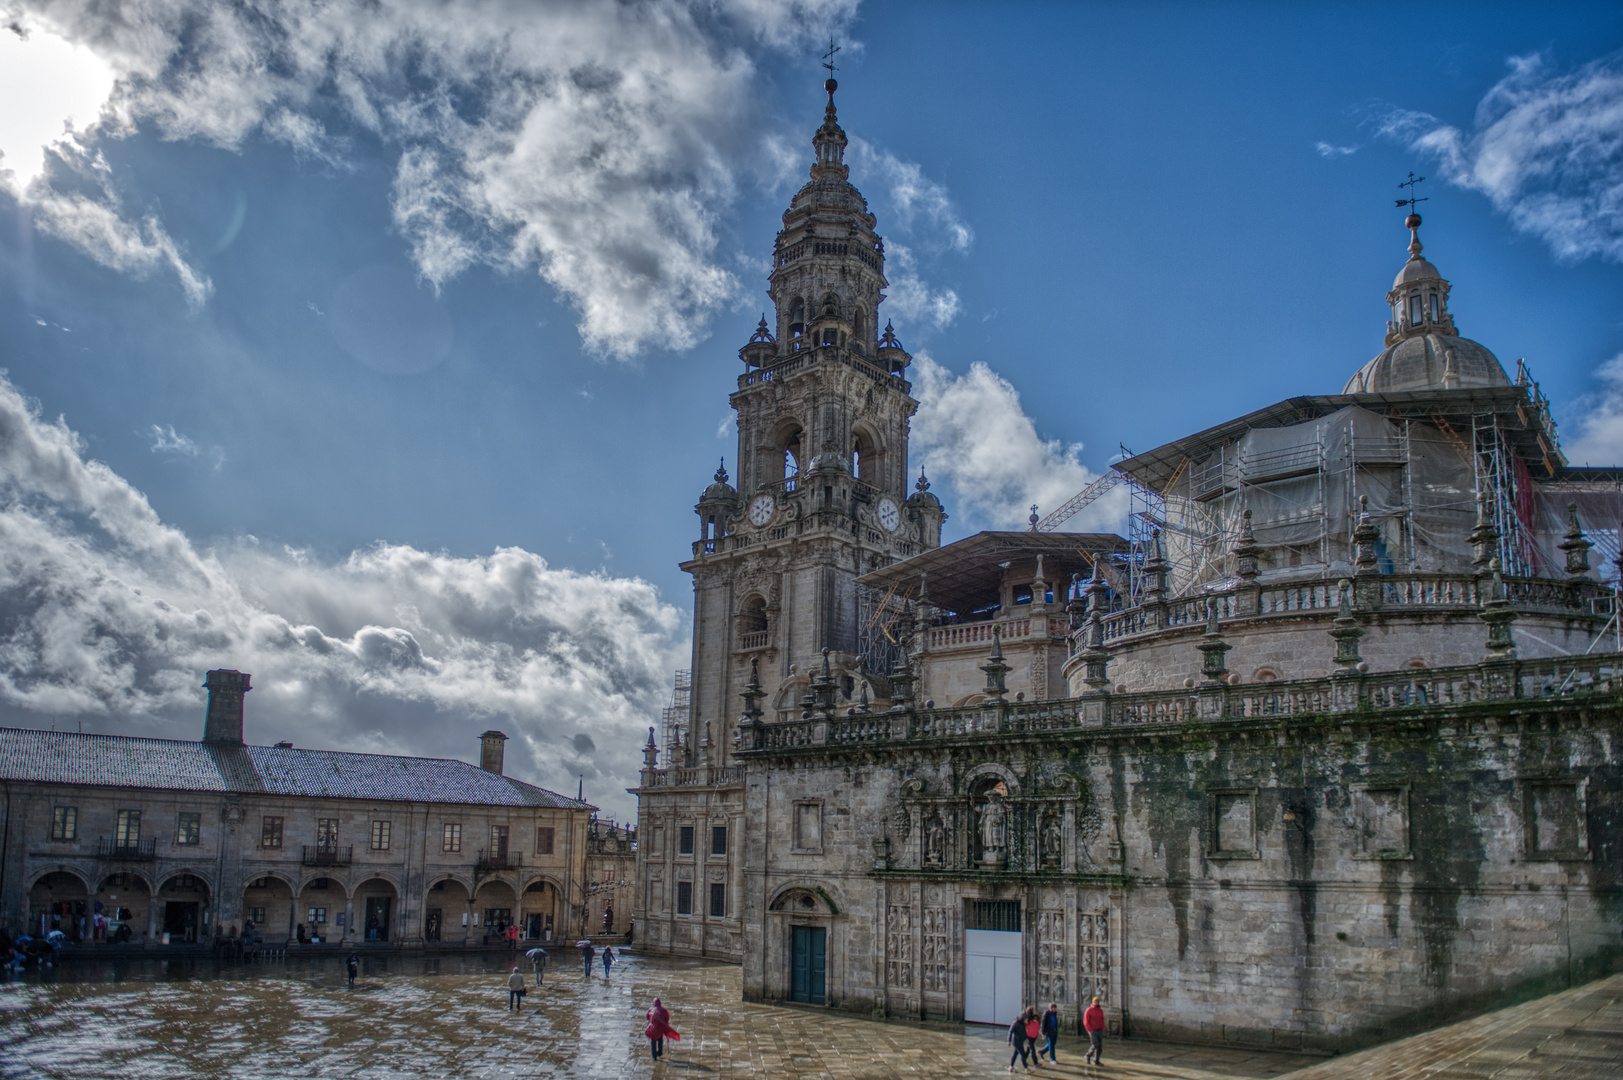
(65, 757)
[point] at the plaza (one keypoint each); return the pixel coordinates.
(446, 1016)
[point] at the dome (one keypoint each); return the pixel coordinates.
(1422, 362)
(1416, 269)
(720, 490)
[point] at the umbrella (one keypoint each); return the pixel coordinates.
(56, 937)
(533, 953)
(583, 943)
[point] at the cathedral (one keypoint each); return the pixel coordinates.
(1322, 749)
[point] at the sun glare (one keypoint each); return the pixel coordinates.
(46, 87)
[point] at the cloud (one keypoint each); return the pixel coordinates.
(166, 440)
(971, 431)
(110, 615)
(922, 207)
(1600, 420)
(598, 144)
(910, 297)
(1329, 150)
(1545, 148)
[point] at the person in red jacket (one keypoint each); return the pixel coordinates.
(659, 1029)
(1093, 1022)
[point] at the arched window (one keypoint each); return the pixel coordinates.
(752, 615)
(791, 459)
(865, 457)
(859, 327)
(1435, 316)
(1416, 311)
(797, 318)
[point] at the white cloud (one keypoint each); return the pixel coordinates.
(168, 441)
(972, 432)
(1330, 150)
(597, 143)
(910, 297)
(48, 87)
(1600, 422)
(1546, 148)
(923, 208)
(109, 614)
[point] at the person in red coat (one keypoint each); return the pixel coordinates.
(659, 1029)
(1093, 1022)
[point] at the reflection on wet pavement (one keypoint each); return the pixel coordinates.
(447, 1017)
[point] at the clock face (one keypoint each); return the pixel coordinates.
(889, 517)
(761, 510)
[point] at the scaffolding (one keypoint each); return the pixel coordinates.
(677, 716)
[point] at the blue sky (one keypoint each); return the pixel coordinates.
(391, 350)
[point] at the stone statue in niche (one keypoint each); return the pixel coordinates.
(1052, 840)
(993, 827)
(935, 842)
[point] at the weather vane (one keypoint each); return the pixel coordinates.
(828, 57)
(1411, 200)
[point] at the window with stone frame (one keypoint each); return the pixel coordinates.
(380, 835)
(545, 838)
(1382, 821)
(65, 823)
(808, 825)
(188, 827)
(127, 832)
(684, 898)
(685, 840)
(327, 834)
(1555, 820)
(718, 900)
(718, 840)
(1234, 824)
(256, 915)
(270, 832)
(451, 837)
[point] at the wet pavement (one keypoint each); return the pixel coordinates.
(446, 1017)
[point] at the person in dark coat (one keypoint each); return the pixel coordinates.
(608, 960)
(1018, 1040)
(352, 964)
(589, 953)
(659, 1029)
(1051, 1032)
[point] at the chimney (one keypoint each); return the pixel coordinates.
(490, 751)
(224, 723)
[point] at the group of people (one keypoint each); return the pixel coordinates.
(516, 991)
(1032, 1035)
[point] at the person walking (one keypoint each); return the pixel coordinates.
(1017, 1039)
(587, 951)
(1051, 1032)
(1093, 1022)
(608, 960)
(515, 990)
(538, 962)
(352, 963)
(659, 1029)
(1034, 1034)
(512, 937)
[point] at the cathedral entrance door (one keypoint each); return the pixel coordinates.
(992, 950)
(806, 982)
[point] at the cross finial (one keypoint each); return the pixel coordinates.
(1411, 201)
(828, 57)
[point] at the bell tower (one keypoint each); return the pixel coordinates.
(823, 407)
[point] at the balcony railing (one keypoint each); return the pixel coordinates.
(1510, 681)
(498, 860)
(142, 850)
(327, 855)
(755, 639)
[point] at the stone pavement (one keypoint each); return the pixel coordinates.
(447, 1017)
(1574, 1035)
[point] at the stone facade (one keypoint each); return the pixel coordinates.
(193, 840)
(1332, 755)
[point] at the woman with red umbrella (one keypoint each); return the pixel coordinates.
(659, 1029)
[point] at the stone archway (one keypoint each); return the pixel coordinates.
(60, 900)
(375, 907)
(318, 913)
(126, 900)
(494, 906)
(541, 911)
(267, 902)
(447, 911)
(181, 908)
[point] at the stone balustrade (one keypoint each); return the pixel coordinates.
(1398, 593)
(1335, 698)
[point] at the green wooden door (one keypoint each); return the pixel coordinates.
(807, 964)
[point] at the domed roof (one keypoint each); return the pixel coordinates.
(1423, 362)
(1416, 269)
(720, 489)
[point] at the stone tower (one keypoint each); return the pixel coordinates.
(823, 410)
